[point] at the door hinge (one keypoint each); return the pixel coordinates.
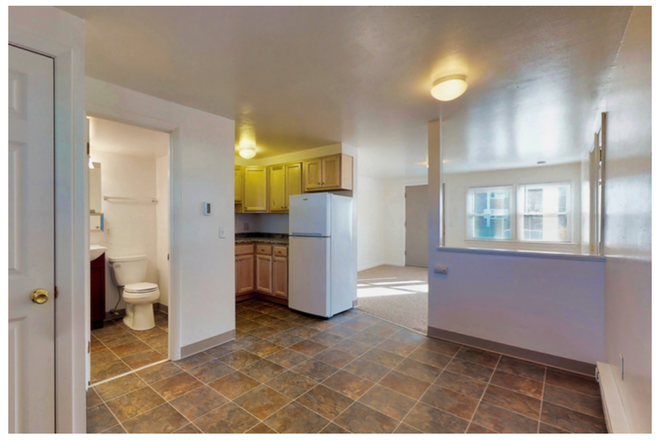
(57, 292)
(89, 346)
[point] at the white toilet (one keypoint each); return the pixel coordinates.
(129, 272)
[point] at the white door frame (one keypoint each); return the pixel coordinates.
(27, 30)
(405, 185)
(172, 127)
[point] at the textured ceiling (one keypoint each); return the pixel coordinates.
(301, 77)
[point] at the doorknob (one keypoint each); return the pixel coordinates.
(39, 296)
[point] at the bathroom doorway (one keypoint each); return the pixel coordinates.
(129, 202)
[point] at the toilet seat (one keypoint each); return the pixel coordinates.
(139, 288)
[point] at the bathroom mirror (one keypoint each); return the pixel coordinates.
(95, 188)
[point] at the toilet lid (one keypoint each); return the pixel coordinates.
(140, 287)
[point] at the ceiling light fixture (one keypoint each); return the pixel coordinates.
(247, 152)
(449, 87)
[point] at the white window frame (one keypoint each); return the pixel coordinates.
(470, 205)
(520, 196)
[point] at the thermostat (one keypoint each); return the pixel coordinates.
(207, 208)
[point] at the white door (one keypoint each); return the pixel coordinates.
(31, 243)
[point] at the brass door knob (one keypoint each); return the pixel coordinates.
(39, 296)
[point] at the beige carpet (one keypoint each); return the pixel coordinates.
(397, 294)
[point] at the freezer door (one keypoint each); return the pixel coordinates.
(310, 214)
(309, 275)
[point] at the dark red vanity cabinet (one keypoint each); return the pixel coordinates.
(97, 290)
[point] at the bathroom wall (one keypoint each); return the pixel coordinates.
(162, 227)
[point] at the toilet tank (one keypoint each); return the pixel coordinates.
(129, 269)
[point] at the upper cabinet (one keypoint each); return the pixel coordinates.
(238, 184)
(255, 196)
(284, 181)
(328, 173)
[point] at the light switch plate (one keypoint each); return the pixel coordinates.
(441, 269)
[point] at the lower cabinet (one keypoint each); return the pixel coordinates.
(280, 277)
(263, 270)
(244, 274)
(264, 274)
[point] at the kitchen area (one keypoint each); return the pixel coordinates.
(294, 233)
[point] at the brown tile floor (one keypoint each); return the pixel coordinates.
(116, 349)
(287, 372)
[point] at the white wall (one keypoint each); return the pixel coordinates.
(371, 223)
(627, 234)
(202, 292)
(129, 227)
(457, 185)
(163, 227)
(271, 223)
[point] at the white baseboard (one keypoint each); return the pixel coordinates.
(613, 408)
(369, 266)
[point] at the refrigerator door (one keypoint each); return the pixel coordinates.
(310, 215)
(309, 275)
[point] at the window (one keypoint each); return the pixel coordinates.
(545, 212)
(489, 213)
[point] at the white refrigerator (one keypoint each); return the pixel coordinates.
(322, 269)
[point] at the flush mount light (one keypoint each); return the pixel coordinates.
(449, 87)
(247, 152)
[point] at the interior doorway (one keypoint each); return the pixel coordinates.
(129, 200)
(416, 226)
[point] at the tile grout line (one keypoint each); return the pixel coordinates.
(483, 394)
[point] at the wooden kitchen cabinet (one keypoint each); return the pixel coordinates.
(255, 195)
(244, 274)
(328, 173)
(238, 184)
(264, 274)
(284, 181)
(280, 277)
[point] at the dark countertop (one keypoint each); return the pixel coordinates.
(262, 237)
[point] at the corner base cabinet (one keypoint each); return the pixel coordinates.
(262, 271)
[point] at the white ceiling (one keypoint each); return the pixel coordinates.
(303, 77)
(119, 138)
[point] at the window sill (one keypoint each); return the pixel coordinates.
(521, 242)
(524, 254)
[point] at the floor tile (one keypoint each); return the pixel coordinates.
(418, 370)
(287, 358)
(143, 359)
(450, 401)
(335, 357)
(248, 314)
(476, 429)
(239, 359)
(117, 429)
(369, 339)
(388, 402)
(521, 368)
(362, 419)
(429, 357)
(404, 384)
(229, 418)
(383, 330)
(475, 371)
(159, 372)
(130, 348)
(396, 347)
(188, 429)
(461, 384)
(210, 371)
(261, 428)
(544, 428)
(119, 339)
(302, 331)
(519, 384)
(108, 370)
(583, 403)
(99, 418)
(234, 384)
(92, 398)
(332, 428)
(221, 350)
(97, 345)
(352, 347)
(405, 429)
(263, 370)
(117, 387)
(198, 402)
(355, 325)
(247, 325)
(315, 369)
(408, 337)
(265, 319)
(193, 361)
(308, 347)
(162, 419)
(428, 419)
(367, 369)
(324, 401)
(501, 420)
(573, 382)
(148, 334)
(570, 420)
(476, 356)
(175, 386)
(389, 360)
(291, 384)
(516, 402)
(344, 332)
(439, 346)
(285, 339)
(134, 403)
(295, 418)
(103, 356)
(348, 384)
(262, 401)
(263, 349)
(327, 339)
(321, 325)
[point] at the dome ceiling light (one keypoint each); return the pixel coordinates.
(449, 87)
(247, 152)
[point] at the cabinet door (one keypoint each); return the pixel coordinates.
(237, 276)
(238, 184)
(245, 274)
(280, 277)
(277, 189)
(293, 182)
(264, 273)
(331, 172)
(256, 194)
(312, 174)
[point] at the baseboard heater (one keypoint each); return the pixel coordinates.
(615, 413)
